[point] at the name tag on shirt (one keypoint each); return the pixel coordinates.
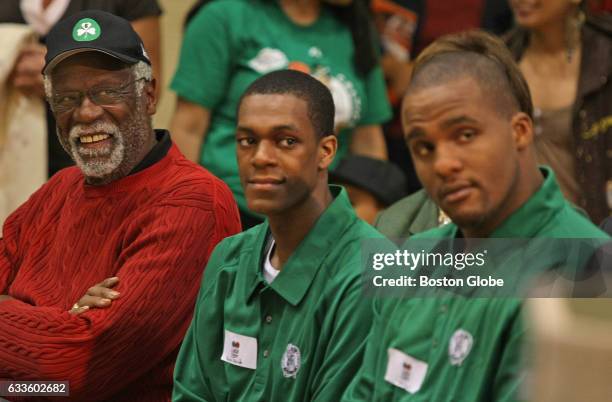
(405, 371)
(239, 350)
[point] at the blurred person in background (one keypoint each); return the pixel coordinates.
(566, 57)
(230, 43)
(41, 16)
(371, 184)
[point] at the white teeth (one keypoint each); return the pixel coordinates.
(88, 139)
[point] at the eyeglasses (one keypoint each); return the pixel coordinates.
(62, 102)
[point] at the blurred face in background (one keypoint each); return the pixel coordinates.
(534, 14)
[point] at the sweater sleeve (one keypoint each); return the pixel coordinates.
(8, 250)
(14, 231)
(99, 352)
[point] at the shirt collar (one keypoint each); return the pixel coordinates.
(299, 271)
(157, 153)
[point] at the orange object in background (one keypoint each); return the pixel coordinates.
(299, 66)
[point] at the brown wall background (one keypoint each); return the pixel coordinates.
(171, 38)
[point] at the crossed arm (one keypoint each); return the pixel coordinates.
(102, 350)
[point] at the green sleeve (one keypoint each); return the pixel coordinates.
(204, 67)
(191, 380)
(375, 109)
(362, 386)
(511, 370)
(345, 347)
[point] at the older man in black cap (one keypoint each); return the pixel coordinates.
(134, 217)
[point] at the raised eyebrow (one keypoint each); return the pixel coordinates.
(457, 120)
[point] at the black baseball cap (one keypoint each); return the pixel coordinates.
(383, 179)
(93, 30)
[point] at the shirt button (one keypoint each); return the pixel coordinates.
(434, 343)
(582, 114)
(268, 319)
(266, 353)
(443, 309)
(588, 158)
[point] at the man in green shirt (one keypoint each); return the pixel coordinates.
(467, 118)
(280, 315)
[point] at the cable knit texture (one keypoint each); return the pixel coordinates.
(154, 230)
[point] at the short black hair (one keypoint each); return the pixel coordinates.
(317, 96)
(480, 56)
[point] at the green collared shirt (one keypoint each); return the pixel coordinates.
(458, 349)
(300, 338)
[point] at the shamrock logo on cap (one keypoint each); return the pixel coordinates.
(86, 30)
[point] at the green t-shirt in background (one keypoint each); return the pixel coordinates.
(230, 43)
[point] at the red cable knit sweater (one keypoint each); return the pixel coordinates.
(154, 230)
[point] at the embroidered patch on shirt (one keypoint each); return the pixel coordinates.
(460, 346)
(291, 361)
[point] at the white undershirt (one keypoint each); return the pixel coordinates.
(270, 273)
(41, 20)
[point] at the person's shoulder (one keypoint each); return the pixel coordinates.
(360, 229)
(187, 180)
(52, 195)
(397, 220)
(344, 251)
(411, 203)
(570, 223)
(226, 258)
(243, 242)
(63, 180)
(601, 23)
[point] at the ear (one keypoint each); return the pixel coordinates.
(522, 130)
(150, 96)
(328, 146)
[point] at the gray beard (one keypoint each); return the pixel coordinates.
(117, 161)
(105, 161)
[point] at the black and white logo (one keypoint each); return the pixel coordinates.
(290, 362)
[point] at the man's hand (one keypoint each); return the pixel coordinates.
(27, 73)
(100, 295)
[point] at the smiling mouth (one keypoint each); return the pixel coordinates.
(265, 183)
(93, 138)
